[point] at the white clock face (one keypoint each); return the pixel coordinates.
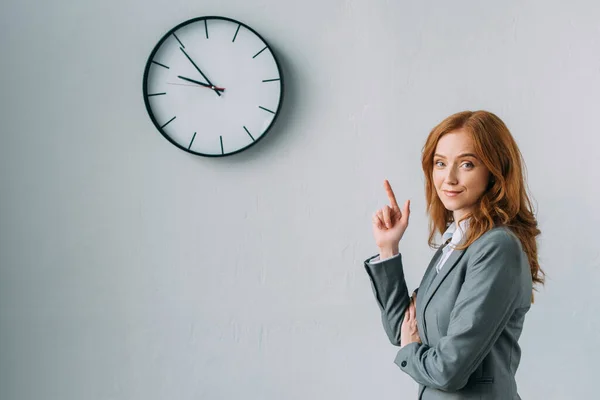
(212, 86)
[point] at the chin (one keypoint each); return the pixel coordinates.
(451, 206)
(454, 207)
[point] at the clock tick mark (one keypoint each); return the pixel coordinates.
(264, 48)
(168, 122)
(157, 94)
(162, 65)
(266, 109)
(178, 40)
(206, 28)
(246, 129)
(222, 152)
(271, 80)
(236, 32)
(192, 141)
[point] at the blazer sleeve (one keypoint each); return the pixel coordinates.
(483, 307)
(389, 287)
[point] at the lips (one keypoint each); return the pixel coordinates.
(451, 193)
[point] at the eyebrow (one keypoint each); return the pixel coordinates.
(459, 156)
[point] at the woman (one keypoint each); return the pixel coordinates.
(458, 333)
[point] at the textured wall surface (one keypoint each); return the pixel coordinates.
(130, 269)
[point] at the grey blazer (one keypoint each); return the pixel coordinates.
(470, 317)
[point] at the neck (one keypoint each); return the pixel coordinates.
(458, 215)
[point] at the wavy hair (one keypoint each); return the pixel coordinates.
(505, 201)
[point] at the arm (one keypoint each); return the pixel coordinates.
(483, 307)
(389, 287)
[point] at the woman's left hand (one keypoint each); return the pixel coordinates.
(409, 332)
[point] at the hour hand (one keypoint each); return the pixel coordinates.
(213, 87)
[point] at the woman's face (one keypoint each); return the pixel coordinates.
(459, 177)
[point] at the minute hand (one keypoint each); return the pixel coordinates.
(204, 76)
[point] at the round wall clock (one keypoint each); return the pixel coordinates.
(212, 86)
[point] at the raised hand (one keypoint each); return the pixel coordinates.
(390, 223)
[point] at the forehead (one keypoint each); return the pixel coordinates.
(454, 143)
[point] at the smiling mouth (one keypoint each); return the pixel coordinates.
(451, 194)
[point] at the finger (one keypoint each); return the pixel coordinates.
(380, 216)
(406, 211)
(390, 194)
(377, 221)
(407, 315)
(396, 215)
(412, 311)
(386, 216)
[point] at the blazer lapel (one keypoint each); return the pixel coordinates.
(439, 277)
(425, 282)
(427, 278)
(430, 274)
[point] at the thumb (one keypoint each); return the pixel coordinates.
(406, 210)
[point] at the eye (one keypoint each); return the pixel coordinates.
(469, 164)
(438, 162)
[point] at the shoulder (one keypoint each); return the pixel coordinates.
(499, 240)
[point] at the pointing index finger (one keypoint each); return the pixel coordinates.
(390, 193)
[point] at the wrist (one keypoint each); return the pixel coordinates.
(385, 253)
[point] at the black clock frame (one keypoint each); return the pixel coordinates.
(149, 64)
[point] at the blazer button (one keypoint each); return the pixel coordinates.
(403, 363)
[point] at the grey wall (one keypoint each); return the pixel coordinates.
(130, 269)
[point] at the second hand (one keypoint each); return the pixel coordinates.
(187, 84)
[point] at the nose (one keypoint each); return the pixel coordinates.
(451, 176)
